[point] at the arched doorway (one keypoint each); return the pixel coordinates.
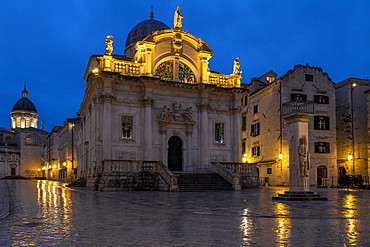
(174, 154)
(342, 172)
(322, 174)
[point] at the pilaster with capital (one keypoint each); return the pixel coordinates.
(147, 128)
(204, 136)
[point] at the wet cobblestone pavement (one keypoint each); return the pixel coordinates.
(45, 213)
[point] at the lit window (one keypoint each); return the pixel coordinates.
(127, 127)
(298, 97)
(255, 129)
(219, 133)
(186, 75)
(270, 79)
(255, 151)
(322, 147)
(321, 123)
(165, 70)
(321, 99)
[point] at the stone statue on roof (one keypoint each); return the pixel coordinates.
(177, 22)
(108, 45)
(236, 70)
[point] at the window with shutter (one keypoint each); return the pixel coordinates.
(321, 123)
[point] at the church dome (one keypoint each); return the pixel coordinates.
(143, 29)
(24, 104)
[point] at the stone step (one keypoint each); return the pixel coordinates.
(202, 182)
(299, 196)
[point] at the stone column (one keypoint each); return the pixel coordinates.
(298, 128)
(235, 134)
(106, 100)
(147, 129)
(188, 156)
(203, 136)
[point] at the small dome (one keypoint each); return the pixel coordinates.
(24, 104)
(143, 29)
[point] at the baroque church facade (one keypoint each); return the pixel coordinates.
(158, 102)
(20, 145)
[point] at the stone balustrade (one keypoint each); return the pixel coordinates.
(241, 175)
(124, 172)
(292, 107)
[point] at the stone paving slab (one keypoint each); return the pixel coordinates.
(45, 213)
(4, 199)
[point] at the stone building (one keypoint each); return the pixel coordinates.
(159, 106)
(60, 152)
(20, 145)
(352, 128)
(265, 131)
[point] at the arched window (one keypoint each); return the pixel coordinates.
(165, 72)
(186, 75)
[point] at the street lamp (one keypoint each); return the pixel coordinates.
(353, 85)
(244, 158)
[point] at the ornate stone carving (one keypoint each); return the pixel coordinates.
(177, 43)
(146, 101)
(104, 98)
(203, 107)
(176, 115)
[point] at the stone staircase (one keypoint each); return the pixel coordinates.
(202, 182)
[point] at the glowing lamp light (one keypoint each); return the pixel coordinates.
(354, 84)
(44, 168)
(350, 157)
(280, 156)
(39, 169)
(244, 158)
(95, 70)
(55, 166)
(64, 163)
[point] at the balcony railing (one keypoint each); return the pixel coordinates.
(292, 107)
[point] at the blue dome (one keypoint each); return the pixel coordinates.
(24, 104)
(143, 29)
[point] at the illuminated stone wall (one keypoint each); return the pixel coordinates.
(266, 98)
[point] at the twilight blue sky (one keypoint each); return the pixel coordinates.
(47, 43)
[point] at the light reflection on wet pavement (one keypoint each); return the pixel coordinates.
(45, 213)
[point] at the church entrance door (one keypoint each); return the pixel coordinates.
(175, 154)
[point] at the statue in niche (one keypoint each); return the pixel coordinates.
(108, 45)
(303, 157)
(177, 22)
(236, 70)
